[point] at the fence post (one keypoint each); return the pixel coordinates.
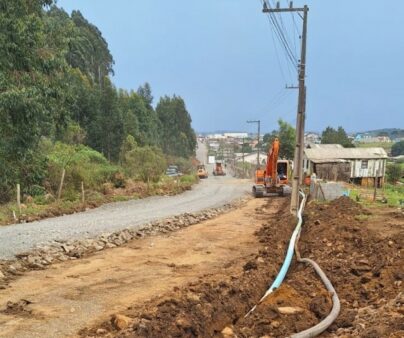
(83, 199)
(19, 197)
(61, 184)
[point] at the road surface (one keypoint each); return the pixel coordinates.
(212, 192)
(87, 291)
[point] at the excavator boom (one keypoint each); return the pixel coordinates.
(272, 161)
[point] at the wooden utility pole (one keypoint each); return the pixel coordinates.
(258, 139)
(301, 108)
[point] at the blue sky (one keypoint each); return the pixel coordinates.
(219, 56)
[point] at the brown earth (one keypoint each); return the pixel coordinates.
(359, 250)
(202, 280)
(67, 297)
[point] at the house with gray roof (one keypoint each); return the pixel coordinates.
(356, 165)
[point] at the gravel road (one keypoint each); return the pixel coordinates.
(212, 192)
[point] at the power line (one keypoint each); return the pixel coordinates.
(282, 39)
(284, 33)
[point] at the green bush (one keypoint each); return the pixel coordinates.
(397, 149)
(394, 172)
(144, 163)
(188, 179)
(29, 171)
(184, 165)
(82, 164)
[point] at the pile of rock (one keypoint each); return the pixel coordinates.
(61, 250)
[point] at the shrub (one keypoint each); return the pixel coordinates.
(394, 172)
(82, 164)
(29, 171)
(184, 165)
(145, 163)
(188, 179)
(397, 149)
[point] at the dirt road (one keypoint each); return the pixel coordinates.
(90, 290)
(213, 192)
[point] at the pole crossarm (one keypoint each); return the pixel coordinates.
(282, 10)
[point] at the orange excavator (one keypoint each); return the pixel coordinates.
(274, 178)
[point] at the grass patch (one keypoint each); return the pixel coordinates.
(391, 195)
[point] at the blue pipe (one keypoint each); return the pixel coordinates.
(289, 255)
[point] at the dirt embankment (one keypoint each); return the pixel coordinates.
(361, 258)
(365, 267)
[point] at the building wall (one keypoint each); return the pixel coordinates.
(368, 168)
(359, 171)
(339, 171)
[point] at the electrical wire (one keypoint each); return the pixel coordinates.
(276, 50)
(283, 35)
(282, 39)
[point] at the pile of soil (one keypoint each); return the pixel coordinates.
(365, 267)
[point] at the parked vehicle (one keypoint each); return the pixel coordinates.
(173, 171)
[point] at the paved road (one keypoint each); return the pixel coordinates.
(213, 192)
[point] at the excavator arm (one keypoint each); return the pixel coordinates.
(271, 171)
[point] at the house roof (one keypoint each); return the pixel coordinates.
(336, 154)
(324, 146)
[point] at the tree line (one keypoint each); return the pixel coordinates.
(55, 84)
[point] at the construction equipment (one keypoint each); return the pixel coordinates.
(218, 169)
(274, 178)
(201, 171)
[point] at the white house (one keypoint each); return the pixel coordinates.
(236, 135)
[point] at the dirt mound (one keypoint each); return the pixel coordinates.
(364, 266)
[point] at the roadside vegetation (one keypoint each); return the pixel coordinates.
(391, 194)
(69, 138)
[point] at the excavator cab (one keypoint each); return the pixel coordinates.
(260, 176)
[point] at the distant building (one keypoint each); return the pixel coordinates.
(356, 165)
(366, 138)
(312, 138)
(252, 158)
(235, 135)
(216, 136)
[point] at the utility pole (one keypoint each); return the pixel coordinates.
(301, 108)
(258, 139)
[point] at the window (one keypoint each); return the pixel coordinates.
(364, 164)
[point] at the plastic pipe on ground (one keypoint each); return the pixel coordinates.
(336, 306)
(289, 255)
(327, 321)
